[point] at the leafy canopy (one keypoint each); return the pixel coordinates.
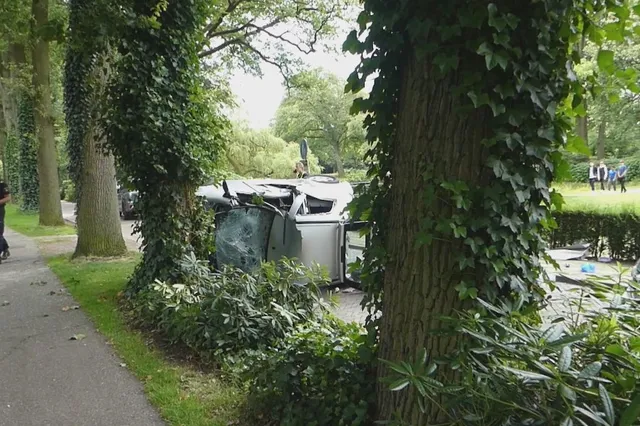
(316, 108)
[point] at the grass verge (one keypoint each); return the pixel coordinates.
(182, 394)
(27, 224)
(583, 199)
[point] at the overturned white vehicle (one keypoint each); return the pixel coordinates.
(306, 219)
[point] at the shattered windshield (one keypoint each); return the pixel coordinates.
(242, 235)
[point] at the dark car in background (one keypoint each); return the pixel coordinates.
(126, 204)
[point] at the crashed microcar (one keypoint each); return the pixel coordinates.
(267, 219)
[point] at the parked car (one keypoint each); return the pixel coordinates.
(258, 220)
(126, 204)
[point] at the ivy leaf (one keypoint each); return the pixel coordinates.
(577, 145)
(605, 61)
(351, 44)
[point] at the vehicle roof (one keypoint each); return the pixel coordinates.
(339, 192)
(279, 188)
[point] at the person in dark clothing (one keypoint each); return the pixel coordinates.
(622, 176)
(5, 197)
(603, 174)
(593, 175)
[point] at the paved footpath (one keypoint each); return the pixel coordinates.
(45, 378)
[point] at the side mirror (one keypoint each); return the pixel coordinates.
(227, 192)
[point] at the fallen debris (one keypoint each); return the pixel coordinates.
(77, 337)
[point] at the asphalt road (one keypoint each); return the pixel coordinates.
(68, 213)
(48, 379)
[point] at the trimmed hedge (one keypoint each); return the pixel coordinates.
(579, 172)
(616, 233)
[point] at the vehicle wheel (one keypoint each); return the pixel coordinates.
(323, 179)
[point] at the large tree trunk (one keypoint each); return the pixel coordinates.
(601, 139)
(432, 137)
(99, 229)
(50, 208)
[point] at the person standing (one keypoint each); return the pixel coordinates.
(5, 197)
(611, 181)
(622, 176)
(603, 173)
(299, 171)
(593, 175)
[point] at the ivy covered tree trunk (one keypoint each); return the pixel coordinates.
(50, 208)
(420, 284)
(602, 139)
(466, 139)
(29, 179)
(162, 133)
(91, 166)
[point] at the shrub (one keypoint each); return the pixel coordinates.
(320, 375)
(617, 233)
(219, 313)
(583, 370)
(68, 191)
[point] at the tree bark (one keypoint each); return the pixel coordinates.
(338, 159)
(50, 208)
(419, 283)
(601, 139)
(99, 229)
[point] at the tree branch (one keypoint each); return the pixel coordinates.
(238, 40)
(216, 24)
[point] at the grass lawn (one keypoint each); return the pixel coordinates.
(580, 197)
(183, 395)
(27, 224)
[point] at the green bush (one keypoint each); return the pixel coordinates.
(228, 312)
(616, 233)
(68, 191)
(579, 370)
(319, 376)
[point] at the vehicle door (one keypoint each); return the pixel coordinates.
(353, 240)
(242, 236)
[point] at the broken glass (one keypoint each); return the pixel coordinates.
(242, 236)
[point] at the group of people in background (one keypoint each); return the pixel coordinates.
(609, 178)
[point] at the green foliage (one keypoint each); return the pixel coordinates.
(259, 154)
(29, 182)
(319, 375)
(614, 234)
(68, 191)
(317, 108)
(229, 312)
(164, 131)
(583, 372)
